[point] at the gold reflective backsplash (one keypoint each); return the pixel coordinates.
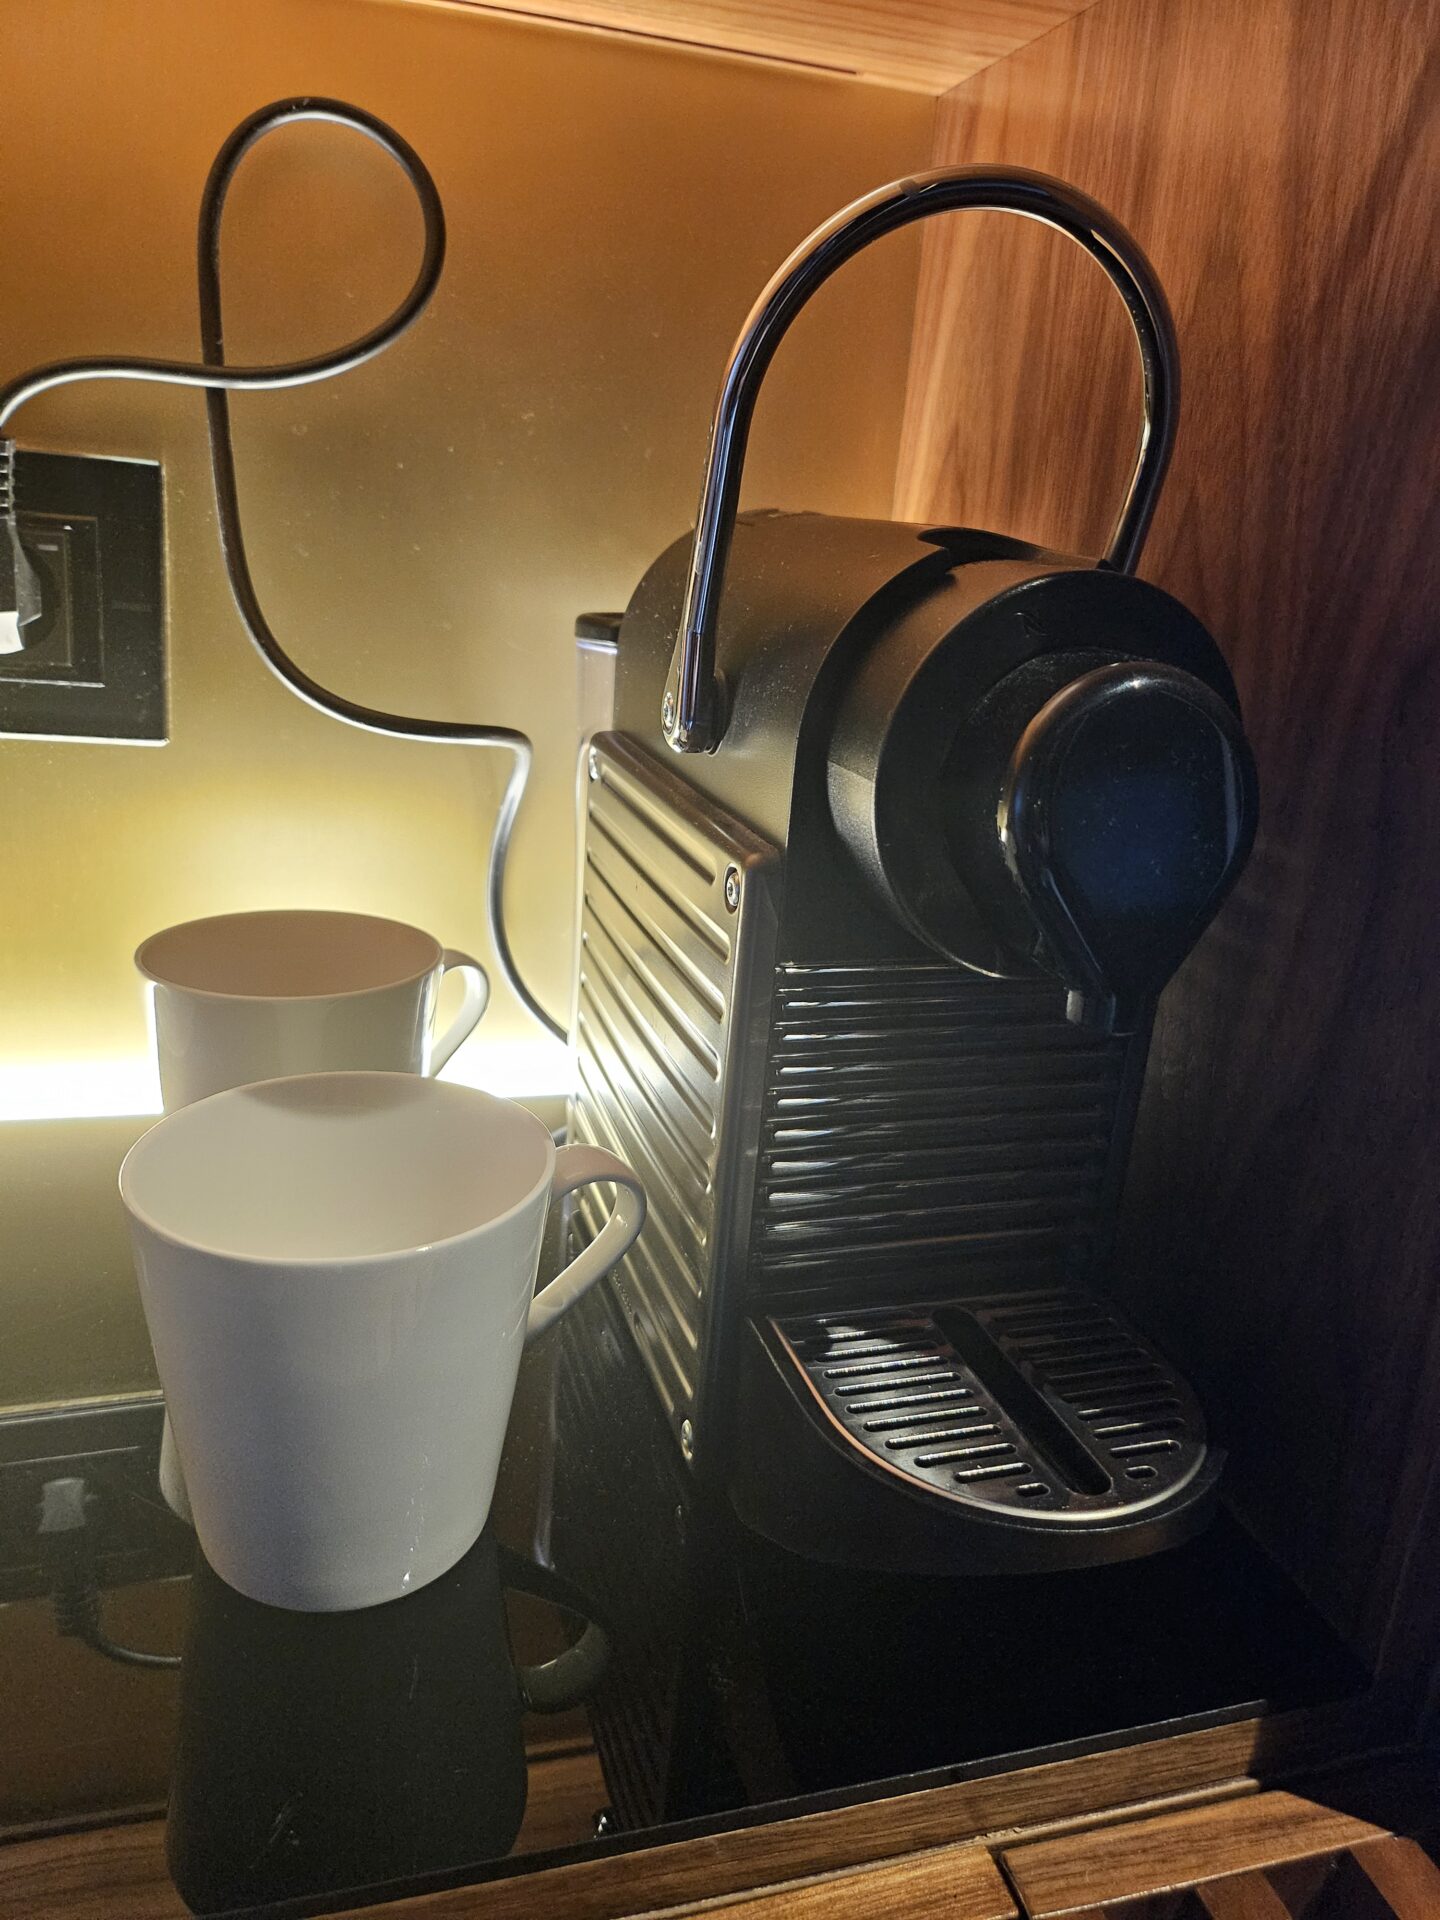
(424, 530)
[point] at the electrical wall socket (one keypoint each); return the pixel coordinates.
(95, 665)
(114, 1446)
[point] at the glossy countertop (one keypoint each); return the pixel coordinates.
(310, 1760)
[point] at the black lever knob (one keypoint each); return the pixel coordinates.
(1125, 816)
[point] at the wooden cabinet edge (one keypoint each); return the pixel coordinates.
(996, 1809)
(886, 43)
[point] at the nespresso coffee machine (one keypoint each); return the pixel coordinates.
(898, 835)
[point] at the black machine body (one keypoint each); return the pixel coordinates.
(887, 861)
(1036, 764)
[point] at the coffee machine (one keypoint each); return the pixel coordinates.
(897, 836)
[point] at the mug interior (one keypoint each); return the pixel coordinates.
(291, 954)
(335, 1166)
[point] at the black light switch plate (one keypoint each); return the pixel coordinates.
(95, 668)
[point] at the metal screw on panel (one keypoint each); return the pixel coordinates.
(594, 764)
(687, 1439)
(667, 712)
(732, 888)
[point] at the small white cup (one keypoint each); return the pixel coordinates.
(253, 996)
(338, 1274)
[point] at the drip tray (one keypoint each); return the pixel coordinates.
(1046, 1404)
(1034, 1413)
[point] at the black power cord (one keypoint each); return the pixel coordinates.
(219, 379)
(75, 1591)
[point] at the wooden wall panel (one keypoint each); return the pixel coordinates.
(1279, 160)
(923, 46)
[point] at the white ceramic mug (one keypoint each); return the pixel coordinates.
(338, 1274)
(255, 996)
(241, 997)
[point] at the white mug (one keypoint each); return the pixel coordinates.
(241, 997)
(338, 1274)
(255, 996)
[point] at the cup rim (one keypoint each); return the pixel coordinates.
(144, 967)
(447, 1089)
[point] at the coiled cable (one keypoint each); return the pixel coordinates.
(219, 380)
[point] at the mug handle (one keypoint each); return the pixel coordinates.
(572, 1676)
(577, 1166)
(477, 998)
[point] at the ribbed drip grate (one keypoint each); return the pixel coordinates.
(1040, 1402)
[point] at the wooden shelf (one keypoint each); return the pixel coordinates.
(921, 46)
(1248, 1856)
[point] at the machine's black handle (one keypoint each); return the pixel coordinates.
(692, 713)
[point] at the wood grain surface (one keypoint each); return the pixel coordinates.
(942, 1883)
(1403, 1875)
(1242, 1896)
(910, 1856)
(115, 1872)
(1143, 1857)
(1274, 1858)
(1278, 160)
(923, 46)
(1217, 1761)
(119, 1872)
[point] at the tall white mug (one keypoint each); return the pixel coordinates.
(240, 997)
(338, 1274)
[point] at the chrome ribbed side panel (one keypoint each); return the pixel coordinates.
(665, 1077)
(917, 1114)
(619, 1544)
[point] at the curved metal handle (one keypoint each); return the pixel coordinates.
(692, 716)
